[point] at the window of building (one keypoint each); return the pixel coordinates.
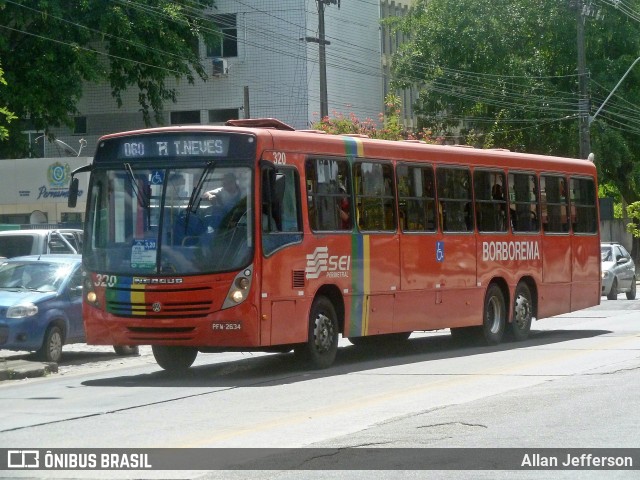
(329, 194)
(554, 204)
(36, 142)
(375, 196)
(454, 197)
(523, 200)
(185, 117)
(71, 217)
(226, 40)
(491, 204)
(584, 215)
(416, 198)
(221, 115)
(79, 125)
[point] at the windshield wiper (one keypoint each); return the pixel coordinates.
(195, 193)
(198, 188)
(143, 201)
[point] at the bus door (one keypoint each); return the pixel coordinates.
(556, 245)
(585, 282)
(418, 221)
(375, 250)
(283, 304)
(457, 298)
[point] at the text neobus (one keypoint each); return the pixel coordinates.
(503, 251)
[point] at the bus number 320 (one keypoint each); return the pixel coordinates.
(105, 280)
(279, 158)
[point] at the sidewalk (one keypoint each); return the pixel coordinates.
(18, 369)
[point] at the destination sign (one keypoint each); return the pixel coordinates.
(173, 146)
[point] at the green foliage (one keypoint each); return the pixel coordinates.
(50, 48)
(505, 70)
(5, 115)
(633, 213)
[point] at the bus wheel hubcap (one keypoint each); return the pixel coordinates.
(522, 312)
(323, 333)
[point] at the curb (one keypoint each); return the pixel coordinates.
(19, 369)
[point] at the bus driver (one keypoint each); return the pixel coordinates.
(226, 196)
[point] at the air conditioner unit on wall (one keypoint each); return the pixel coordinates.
(220, 67)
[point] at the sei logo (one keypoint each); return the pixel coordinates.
(320, 261)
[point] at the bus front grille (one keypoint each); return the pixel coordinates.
(159, 310)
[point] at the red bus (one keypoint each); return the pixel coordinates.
(253, 236)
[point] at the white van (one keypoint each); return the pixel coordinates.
(14, 243)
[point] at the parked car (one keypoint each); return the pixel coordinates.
(14, 243)
(41, 305)
(618, 271)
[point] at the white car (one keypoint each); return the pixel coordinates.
(618, 271)
(15, 243)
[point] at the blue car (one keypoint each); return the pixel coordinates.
(41, 305)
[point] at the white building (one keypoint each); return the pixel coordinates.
(269, 52)
(35, 191)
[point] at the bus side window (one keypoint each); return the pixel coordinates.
(375, 196)
(454, 194)
(329, 195)
(280, 221)
(523, 200)
(416, 198)
(553, 196)
(491, 205)
(584, 216)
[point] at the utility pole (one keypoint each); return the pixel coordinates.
(583, 95)
(322, 56)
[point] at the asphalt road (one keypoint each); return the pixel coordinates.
(573, 384)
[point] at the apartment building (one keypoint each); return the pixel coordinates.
(266, 66)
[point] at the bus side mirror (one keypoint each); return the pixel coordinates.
(73, 193)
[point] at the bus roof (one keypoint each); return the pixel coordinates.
(315, 142)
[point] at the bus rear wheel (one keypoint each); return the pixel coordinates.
(522, 313)
(495, 315)
(322, 344)
(174, 358)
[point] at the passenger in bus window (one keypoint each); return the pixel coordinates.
(498, 195)
(344, 210)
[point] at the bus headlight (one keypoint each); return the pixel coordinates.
(239, 288)
(90, 294)
(237, 296)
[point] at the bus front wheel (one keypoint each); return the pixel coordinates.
(495, 315)
(322, 344)
(174, 358)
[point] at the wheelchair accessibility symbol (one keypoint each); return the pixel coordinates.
(157, 177)
(439, 251)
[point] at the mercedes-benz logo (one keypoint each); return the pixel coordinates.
(156, 306)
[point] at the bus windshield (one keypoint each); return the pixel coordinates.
(144, 220)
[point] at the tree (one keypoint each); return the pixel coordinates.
(505, 70)
(5, 115)
(49, 48)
